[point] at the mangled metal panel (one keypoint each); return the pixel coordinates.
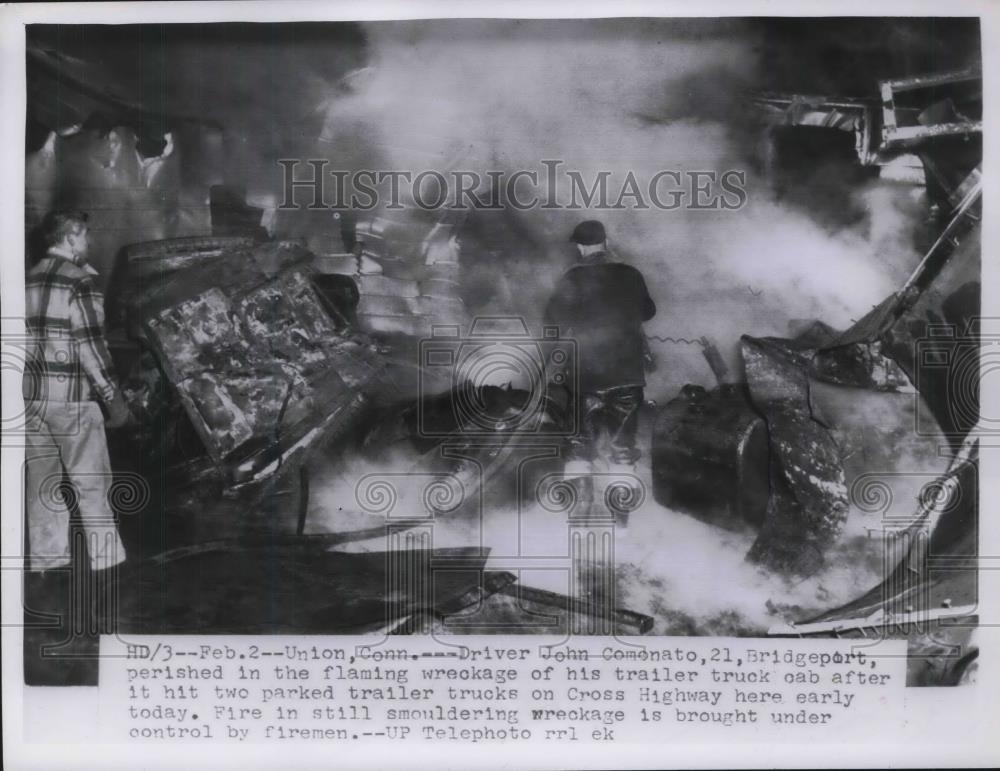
(934, 552)
(852, 115)
(808, 504)
(757, 457)
(886, 350)
(155, 259)
(924, 107)
(880, 350)
(256, 361)
(914, 111)
(148, 263)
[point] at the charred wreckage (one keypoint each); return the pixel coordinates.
(250, 358)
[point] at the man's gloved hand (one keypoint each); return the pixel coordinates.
(119, 414)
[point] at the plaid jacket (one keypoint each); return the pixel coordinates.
(68, 359)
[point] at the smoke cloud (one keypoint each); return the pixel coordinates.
(638, 96)
(620, 96)
(600, 95)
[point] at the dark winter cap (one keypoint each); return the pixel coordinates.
(588, 233)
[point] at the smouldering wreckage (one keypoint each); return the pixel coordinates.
(926, 334)
(251, 357)
(247, 358)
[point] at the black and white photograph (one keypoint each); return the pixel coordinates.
(619, 332)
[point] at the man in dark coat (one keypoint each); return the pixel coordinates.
(601, 304)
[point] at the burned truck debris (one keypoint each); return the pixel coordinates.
(780, 473)
(306, 343)
(339, 404)
(710, 454)
(916, 340)
(236, 366)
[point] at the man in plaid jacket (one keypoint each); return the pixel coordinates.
(68, 376)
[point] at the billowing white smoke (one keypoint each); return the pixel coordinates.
(621, 96)
(636, 96)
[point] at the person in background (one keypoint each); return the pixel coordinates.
(601, 304)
